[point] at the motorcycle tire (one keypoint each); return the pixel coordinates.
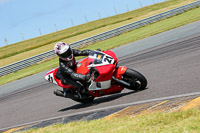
(135, 79)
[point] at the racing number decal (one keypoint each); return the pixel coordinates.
(108, 59)
(50, 79)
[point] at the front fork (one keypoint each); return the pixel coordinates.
(118, 76)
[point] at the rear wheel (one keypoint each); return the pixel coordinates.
(136, 80)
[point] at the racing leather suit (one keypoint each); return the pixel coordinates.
(66, 70)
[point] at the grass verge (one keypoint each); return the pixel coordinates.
(149, 30)
(44, 43)
(156, 122)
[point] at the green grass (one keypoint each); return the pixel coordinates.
(149, 30)
(44, 43)
(156, 122)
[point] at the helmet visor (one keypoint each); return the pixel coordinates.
(67, 55)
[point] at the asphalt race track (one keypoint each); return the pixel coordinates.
(172, 68)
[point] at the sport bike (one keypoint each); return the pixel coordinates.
(106, 78)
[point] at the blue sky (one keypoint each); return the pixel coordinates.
(25, 19)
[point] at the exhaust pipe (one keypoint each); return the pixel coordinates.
(121, 82)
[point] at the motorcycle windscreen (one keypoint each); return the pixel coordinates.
(98, 58)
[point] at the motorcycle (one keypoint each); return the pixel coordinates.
(106, 78)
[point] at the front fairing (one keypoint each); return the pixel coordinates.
(98, 58)
(104, 64)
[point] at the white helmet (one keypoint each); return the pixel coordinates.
(64, 51)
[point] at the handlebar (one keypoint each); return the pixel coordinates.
(94, 73)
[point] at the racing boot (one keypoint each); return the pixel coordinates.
(81, 92)
(70, 94)
(75, 95)
(59, 93)
(66, 93)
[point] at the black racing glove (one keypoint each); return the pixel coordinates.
(87, 76)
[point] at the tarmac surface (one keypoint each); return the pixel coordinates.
(167, 105)
(171, 68)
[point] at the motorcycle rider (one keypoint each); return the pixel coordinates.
(67, 64)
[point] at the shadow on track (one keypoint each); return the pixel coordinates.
(98, 101)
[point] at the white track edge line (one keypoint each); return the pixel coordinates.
(105, 108)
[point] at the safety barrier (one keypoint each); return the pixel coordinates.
(97, 38)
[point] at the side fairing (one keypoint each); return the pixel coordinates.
(50, 77)
(100, 85)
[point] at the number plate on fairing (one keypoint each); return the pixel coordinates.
(50, 78)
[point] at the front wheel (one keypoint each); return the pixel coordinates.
(136, 80)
